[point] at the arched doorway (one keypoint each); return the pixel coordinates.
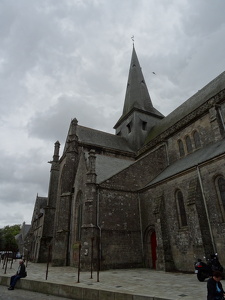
(153, 249)
(150, 247)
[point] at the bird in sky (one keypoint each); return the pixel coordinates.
(153, 73)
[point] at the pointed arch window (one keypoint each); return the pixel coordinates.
(181, 148)
(188, 144)
(181, 209)
(196, 139)
(220, 185)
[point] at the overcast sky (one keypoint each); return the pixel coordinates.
(61, 59)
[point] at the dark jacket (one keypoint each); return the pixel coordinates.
(22, 271)
(212, 292)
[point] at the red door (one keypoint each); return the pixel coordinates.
(153, 248)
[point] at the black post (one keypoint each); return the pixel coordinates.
(6, 262)
(92, 244)
(11, 263)
(49, 256)
(78, 276)
(3, 263)
(27, 258)
(98, 258)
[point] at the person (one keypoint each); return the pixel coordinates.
(21, 273)
(214, 287)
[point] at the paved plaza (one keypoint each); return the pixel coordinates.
(129, 284)
(21, 294)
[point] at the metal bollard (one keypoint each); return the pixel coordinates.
(78, 275)
(98, 258)
(92, 247)
(27, 258)
(49, 256)
(6, 262)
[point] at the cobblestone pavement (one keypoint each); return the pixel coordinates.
(19, 294)
(142, 282)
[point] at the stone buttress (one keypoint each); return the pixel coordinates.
(68, 169)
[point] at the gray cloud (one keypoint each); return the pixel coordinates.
(66, 59)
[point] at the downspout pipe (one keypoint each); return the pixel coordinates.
(97, 221)
(140, 217)
(206, 209)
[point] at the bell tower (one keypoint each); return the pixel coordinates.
(139, 115)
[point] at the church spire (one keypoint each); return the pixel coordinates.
(137, 95)
(139, 115)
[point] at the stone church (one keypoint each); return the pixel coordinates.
(151, 195)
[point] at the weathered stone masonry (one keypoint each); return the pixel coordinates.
(152, 195)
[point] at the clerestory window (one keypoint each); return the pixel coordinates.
(188, 144)
(197, 139)
(181, 148)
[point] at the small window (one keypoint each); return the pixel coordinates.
(129, 128)
(144, 125)
(196, 140)
(181, 209)
(188, 144)
(181, 148)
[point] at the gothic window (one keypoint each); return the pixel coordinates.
(197, 139)
(181, 209)
(188, 144)
(220, 182)
(79, 211)
(181, 148)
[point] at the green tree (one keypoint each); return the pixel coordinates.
(7, 238)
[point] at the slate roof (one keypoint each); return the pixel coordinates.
(137, 96)
(99, 138)
(207, 92)
(107, 166)
(191, 160)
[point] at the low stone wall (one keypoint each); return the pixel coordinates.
(72, 292)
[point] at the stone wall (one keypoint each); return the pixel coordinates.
(119, 221)
(204, 128)
(141, 172)
(159, 210)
